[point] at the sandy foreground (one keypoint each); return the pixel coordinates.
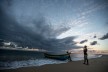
(96, 65)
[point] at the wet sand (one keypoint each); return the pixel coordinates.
(95, 65)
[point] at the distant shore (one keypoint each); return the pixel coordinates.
(96, 65)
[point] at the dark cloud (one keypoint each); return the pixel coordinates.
(104, 37)
(83, 41)
(95, 36)
(32, 31)
(93, 43)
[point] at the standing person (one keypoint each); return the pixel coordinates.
(85, 55)
(69, 56)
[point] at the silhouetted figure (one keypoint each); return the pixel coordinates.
(85, 55)
(69, 56)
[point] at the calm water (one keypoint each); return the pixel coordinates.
(11, 59)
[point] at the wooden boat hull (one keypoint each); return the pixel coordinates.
(59, 57)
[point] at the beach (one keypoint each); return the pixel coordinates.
(95, 65)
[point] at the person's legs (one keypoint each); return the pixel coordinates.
(84, 59)
(87, 61)
(69, 58)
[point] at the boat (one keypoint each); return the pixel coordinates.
(58, 57)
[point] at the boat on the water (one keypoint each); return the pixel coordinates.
(59, 57)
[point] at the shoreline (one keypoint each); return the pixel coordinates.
(96, 64)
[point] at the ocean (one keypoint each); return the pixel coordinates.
(12, 59)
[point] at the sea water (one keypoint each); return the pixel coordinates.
(12, 59)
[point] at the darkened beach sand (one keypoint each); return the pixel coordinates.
(96, 65)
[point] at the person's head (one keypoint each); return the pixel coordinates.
(67, 52)
(85, 46)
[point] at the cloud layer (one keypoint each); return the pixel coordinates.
(104, 37)
(83, 41)
(31, 29)
(93, 43)
(38, 23)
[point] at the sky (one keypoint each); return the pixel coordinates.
(55, 25)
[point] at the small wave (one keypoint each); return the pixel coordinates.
(28, 63)
(99, 55)
(39, 62)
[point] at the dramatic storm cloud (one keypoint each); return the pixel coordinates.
(83, 41)
(104, 37)
(26, 23)
(93, 43)
(52, 24)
